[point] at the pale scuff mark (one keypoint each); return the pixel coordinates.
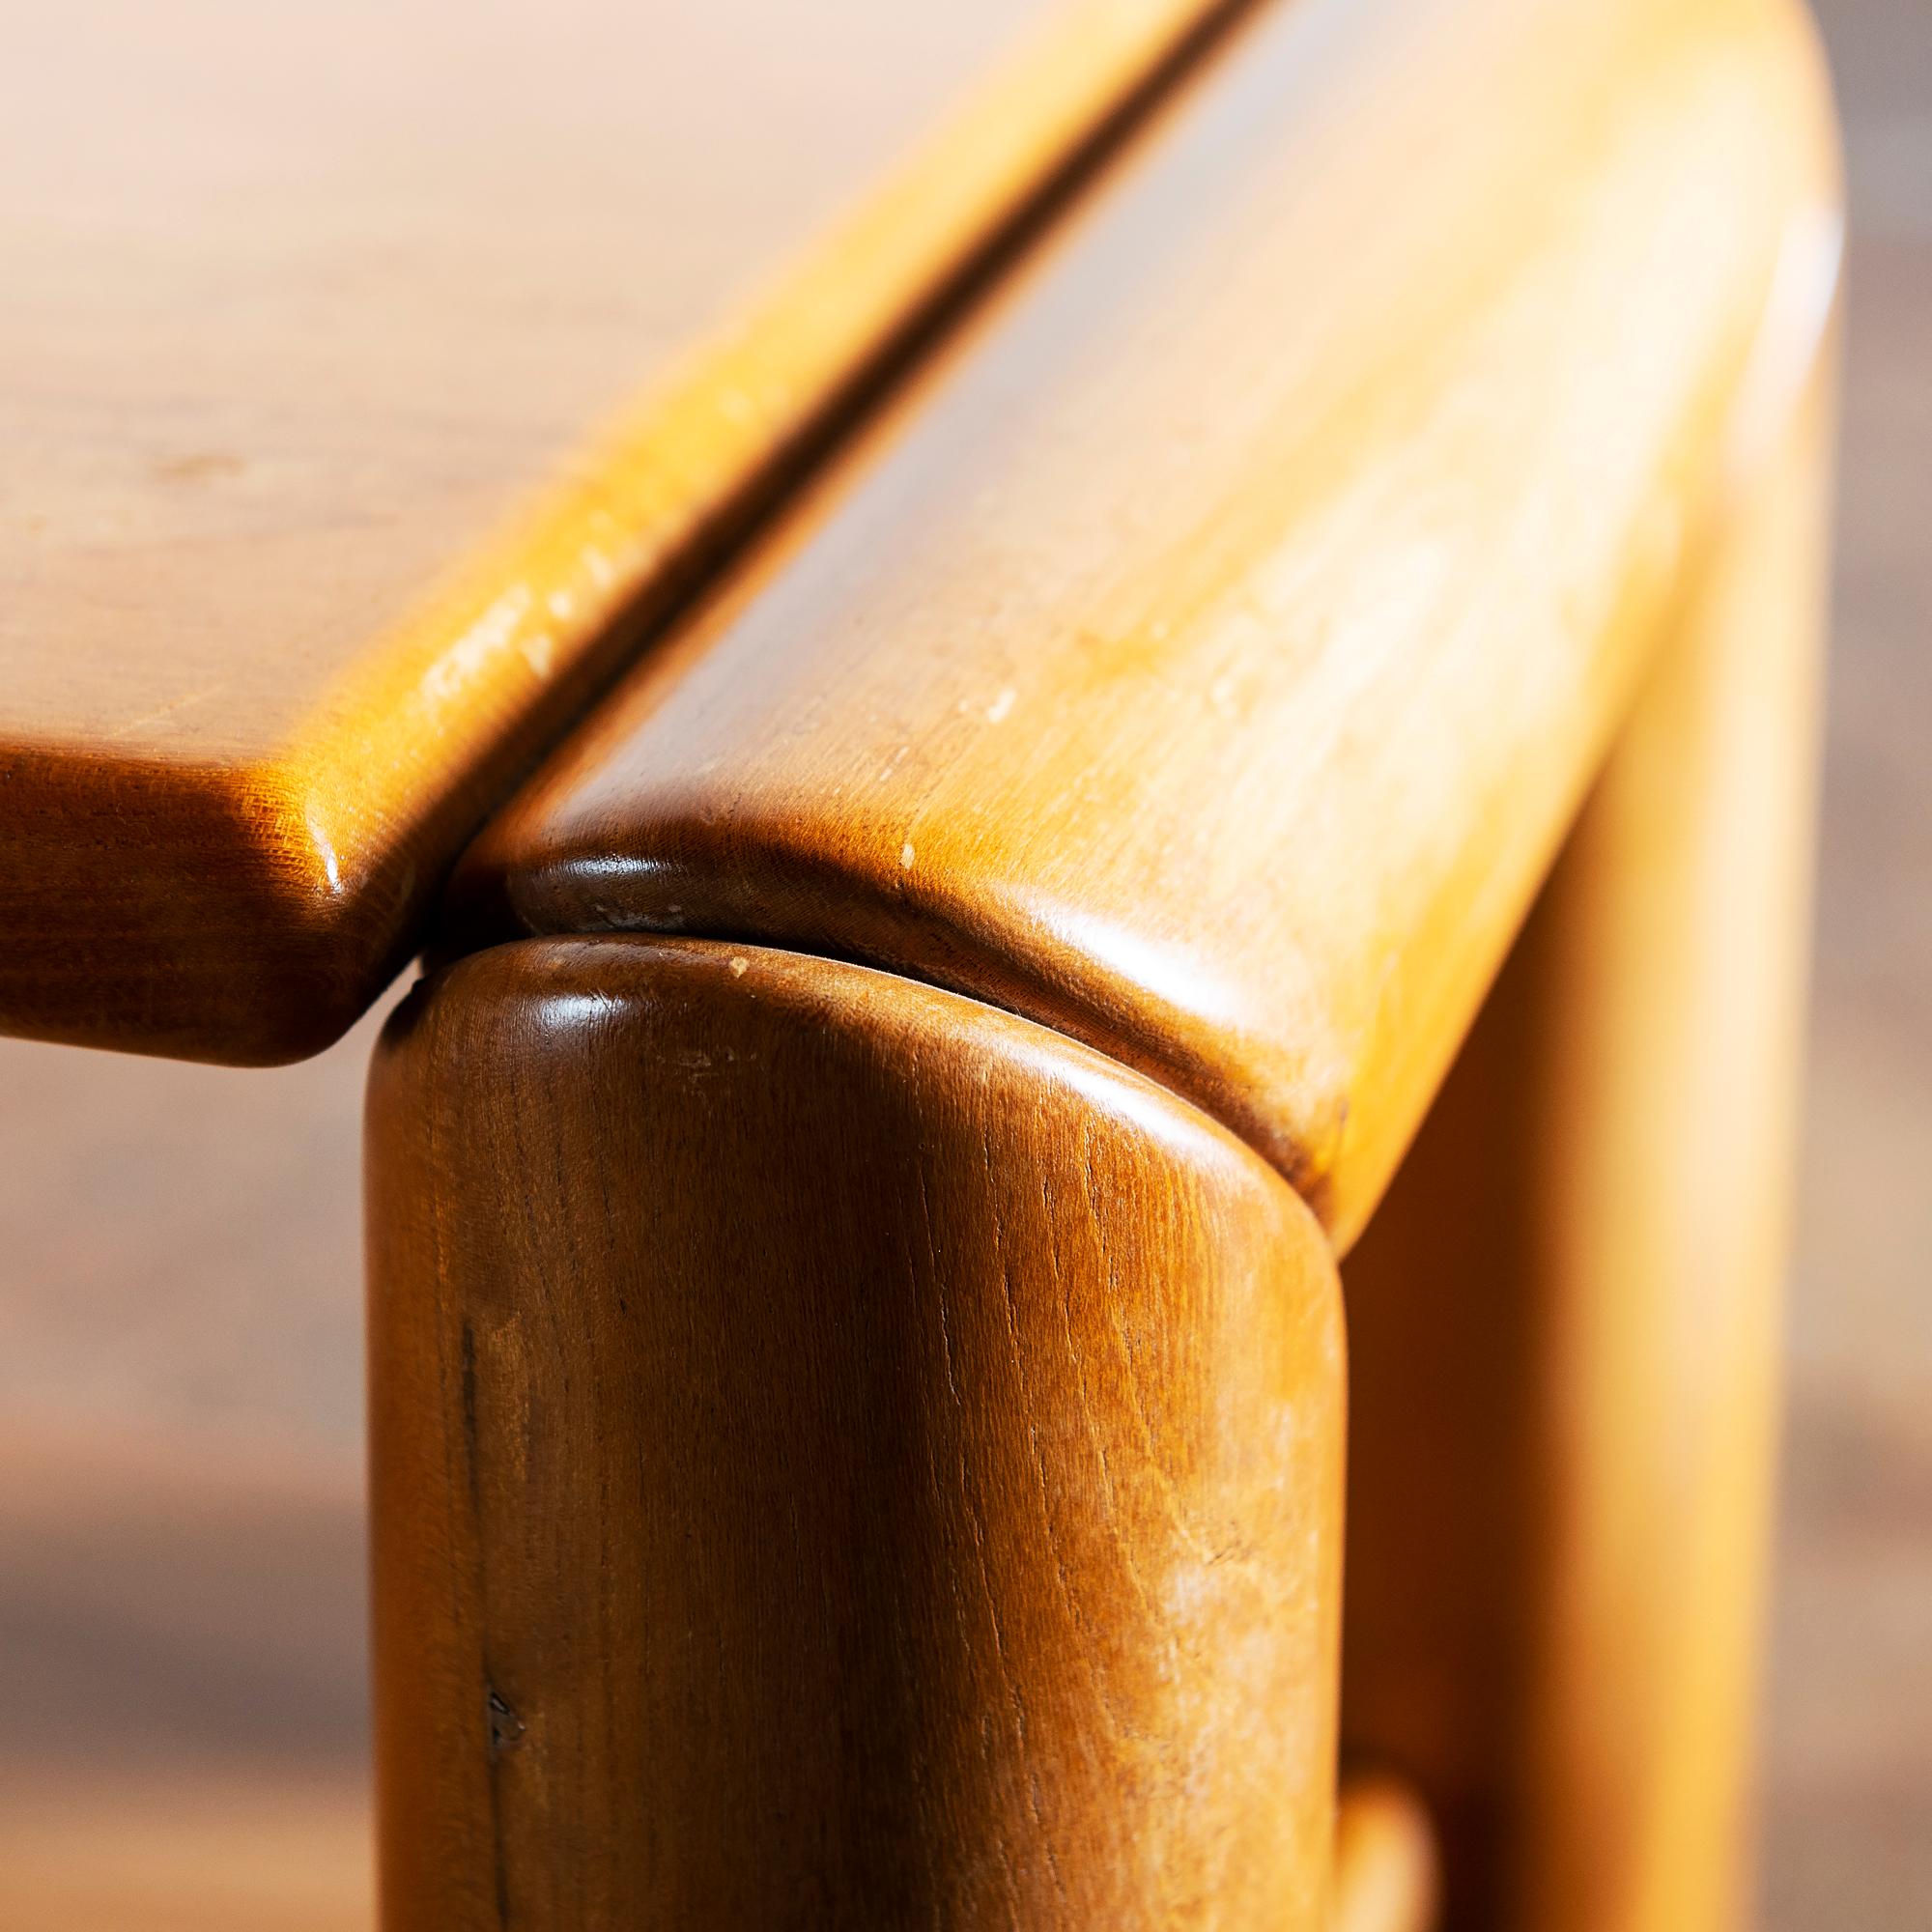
(486, 638)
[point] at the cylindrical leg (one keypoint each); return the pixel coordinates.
(1386, 1878)
(842, 1456)
(1564, 1320)
(1675, 945)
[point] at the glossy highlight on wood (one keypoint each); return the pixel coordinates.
(856, 1351)
(1208, 655)
(842, 1455)
(304, 303)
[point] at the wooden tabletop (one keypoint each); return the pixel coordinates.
(308, 312)
(1208, 653)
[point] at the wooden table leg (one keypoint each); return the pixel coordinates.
(842, 1455)
(1564, 1320)
(1387, 1873)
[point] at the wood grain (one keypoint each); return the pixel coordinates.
(1564, 1320)
(1207, 658)
(304, 303)
(842, 1455)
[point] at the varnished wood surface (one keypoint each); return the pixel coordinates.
(308, 310)
(1661, 1206)
(171, 1255)
(1565, 1318)
(1207, 657)
(842, 1455)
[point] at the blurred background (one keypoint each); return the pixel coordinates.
(182, 1732)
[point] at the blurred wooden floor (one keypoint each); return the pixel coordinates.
(1847, 1829)
(182, 1730)
(183, 1654)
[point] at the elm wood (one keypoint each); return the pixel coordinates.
(303, 302)
(1207, 657)
(1439, 1294)
(841, 1454)
(1681, 939)
(1564, 1320)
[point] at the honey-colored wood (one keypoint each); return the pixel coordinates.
(842, 1455)
(303, 302)
(1207, 658)
(1564, 1319)
(1385, 1863)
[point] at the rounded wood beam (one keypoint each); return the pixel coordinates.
(1208, 655)
(842, 1455)
(377, 379)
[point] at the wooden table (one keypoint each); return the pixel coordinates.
(1262, 540)
(333, 490)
